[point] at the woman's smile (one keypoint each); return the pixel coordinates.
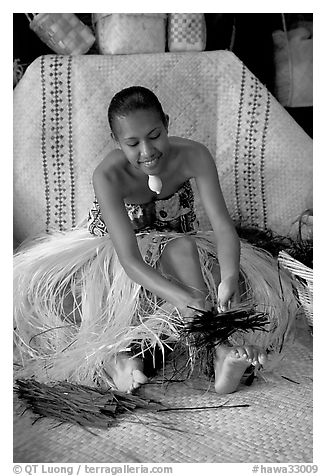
(150, 164)
(144, 140)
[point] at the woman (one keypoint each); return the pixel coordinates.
(90, 299)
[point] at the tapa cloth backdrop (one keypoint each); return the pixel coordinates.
(61, 133)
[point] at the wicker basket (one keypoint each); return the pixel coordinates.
(130, 33)
(186, 32)
(304, 276)
(64, 33)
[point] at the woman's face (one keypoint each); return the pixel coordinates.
(144, 140)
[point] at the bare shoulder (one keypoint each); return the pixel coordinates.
(193, 154)
(112, 163)
(113, 167)
(110, 173)
(190, 147)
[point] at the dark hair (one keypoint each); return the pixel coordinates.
(131, 99)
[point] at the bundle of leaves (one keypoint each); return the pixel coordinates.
(211, 328)
(79, 404)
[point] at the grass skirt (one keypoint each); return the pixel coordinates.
(75, 307)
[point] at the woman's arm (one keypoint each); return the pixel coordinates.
(227, 240)
(108, 192)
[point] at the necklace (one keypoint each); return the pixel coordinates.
(155, 183)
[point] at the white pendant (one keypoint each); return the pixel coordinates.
(155, 183)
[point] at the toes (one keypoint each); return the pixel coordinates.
(250, 353)
(253, 355)
(135, 379)
(133, 387)
(255, 360)
(243, 353)
(139, 377)
(262, 358)
(235, 353)
(239, 353)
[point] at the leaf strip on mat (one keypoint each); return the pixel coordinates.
(213, 407)
(290, 380)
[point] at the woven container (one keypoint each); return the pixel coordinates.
(120, 33)
(304, 274)
(186, 32)
(64, 33)
(293, 58)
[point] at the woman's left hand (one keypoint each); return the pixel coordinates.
(228, 293)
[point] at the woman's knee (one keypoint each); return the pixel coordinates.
(182, 247)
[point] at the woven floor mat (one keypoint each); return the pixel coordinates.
(275, 428)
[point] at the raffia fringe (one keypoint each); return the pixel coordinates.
(75, 308)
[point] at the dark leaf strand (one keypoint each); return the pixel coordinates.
(210, 328)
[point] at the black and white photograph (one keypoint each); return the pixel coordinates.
(162, 242)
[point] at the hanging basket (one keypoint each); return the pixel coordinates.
(186, 32)
(130, 33)
(64, 33)
(304, 276)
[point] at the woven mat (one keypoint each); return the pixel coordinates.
(275, 428)
(61, 133)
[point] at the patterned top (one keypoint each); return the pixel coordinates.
(174, 213)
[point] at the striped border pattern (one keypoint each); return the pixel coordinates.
(70, 146)
(57, 143)
(262, 162)
(249, 155)
(43, 150)
(237, 146)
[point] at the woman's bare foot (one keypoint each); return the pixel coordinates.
(127, 373)
(231, 363)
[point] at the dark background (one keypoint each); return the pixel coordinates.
(248, 35)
